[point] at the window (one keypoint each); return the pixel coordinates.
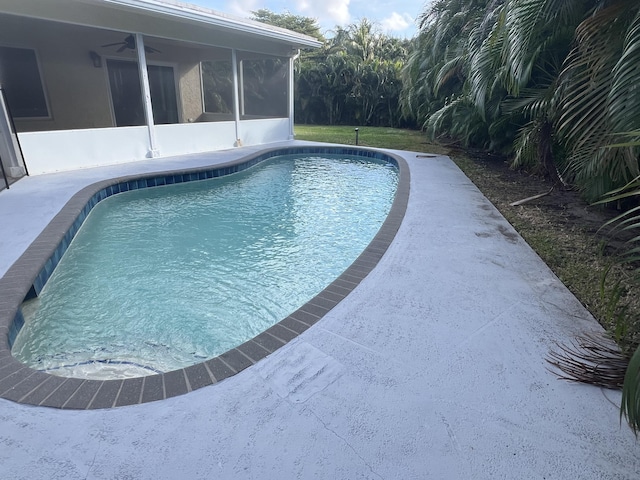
(21, 80)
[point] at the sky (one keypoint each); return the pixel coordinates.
(396, 18)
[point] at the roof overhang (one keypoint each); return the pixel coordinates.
(165, 19)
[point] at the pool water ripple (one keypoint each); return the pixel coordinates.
(166, 277)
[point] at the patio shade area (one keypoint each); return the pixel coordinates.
(100, 82)
(432, 367)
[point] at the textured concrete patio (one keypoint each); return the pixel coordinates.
(433, 367)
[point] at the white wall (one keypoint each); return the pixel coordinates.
(53, 151)
(256, 132)
(184, 138)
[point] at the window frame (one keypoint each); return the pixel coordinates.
(45, 95)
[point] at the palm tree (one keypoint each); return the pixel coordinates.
(364, 41)
(437, 75)
(547, 81)
(354, 79)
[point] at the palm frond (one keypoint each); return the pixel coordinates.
(484, 63)
(630, 404)
(522, 21)
(591, 107)
(451, 69)
(624, 96)
(592, 358)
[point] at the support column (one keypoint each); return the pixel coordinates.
(146, 96)
(291, 95)
(236, 94)
(241, 87)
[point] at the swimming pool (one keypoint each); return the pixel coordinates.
(161, 278)
(33, 269)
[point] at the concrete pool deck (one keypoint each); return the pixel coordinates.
(433, 367)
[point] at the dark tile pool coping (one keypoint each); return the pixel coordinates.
(28, 275)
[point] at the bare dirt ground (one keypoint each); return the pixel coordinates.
(563, 206)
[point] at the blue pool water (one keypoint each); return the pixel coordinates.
(165, 277)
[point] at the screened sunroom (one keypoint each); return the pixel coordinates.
(99, 82)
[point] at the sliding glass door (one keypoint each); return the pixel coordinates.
(126, 94)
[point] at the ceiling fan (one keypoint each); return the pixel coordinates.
(130, 43)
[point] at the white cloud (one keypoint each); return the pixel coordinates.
(336, 11)
(396, 22)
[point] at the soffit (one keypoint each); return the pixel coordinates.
(172, 20)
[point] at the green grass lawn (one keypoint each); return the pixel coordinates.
(378, 137)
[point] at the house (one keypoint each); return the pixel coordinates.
(97, 82)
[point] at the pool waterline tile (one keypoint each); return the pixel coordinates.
(32, 270)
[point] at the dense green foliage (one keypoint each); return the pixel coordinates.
(552, 83)
(353, 79)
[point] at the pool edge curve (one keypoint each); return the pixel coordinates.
(28, 274)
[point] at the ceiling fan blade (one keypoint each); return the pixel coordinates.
(111, 44)
(130, 42)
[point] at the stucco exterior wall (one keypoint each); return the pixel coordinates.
(76, 92)
(190, 91)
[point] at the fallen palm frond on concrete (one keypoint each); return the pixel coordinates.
(592, 358)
